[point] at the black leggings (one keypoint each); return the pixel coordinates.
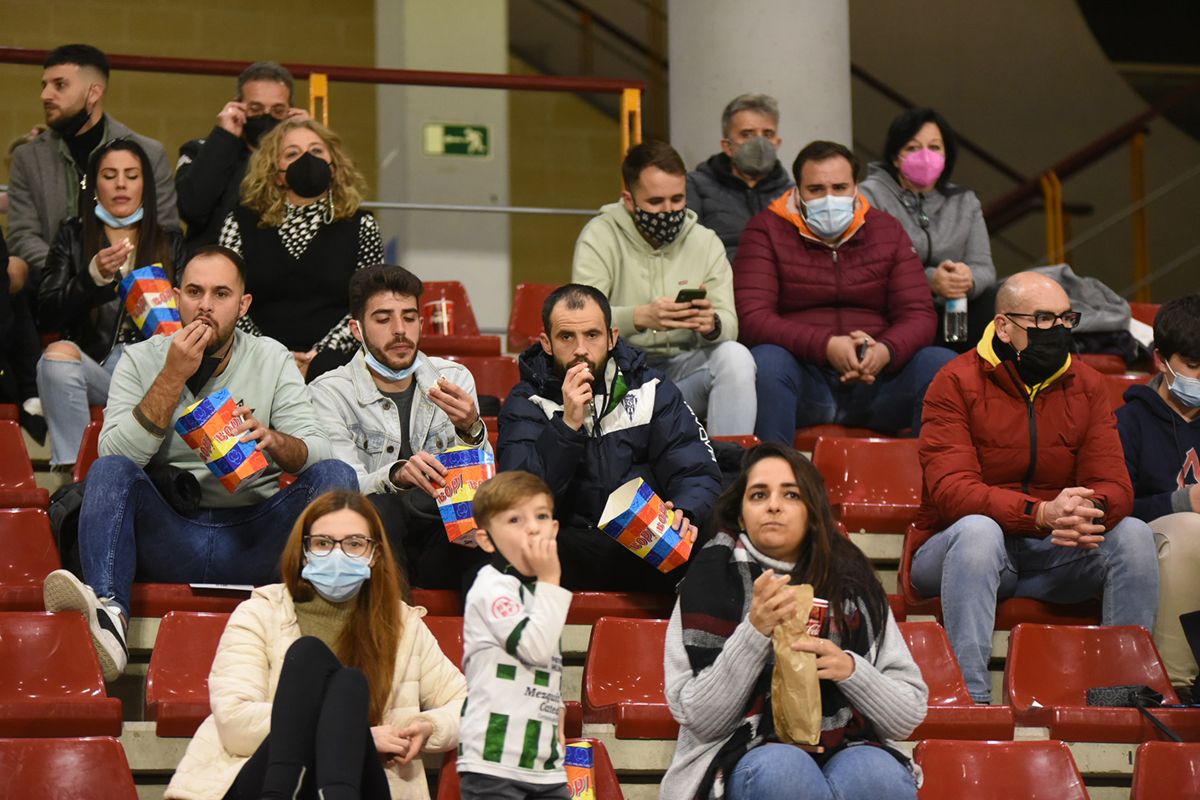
(320, 736)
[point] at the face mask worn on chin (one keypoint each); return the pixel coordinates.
(923, 167)
(107, 217)
(384, 370)
(1185, 389)
(659, 226)
(309, 176)
(257, 127)
(337, 577)
(1044, 355)
(830, 216)
(755, 157)
(69, 126)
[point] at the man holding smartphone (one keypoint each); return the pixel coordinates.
(671, 288)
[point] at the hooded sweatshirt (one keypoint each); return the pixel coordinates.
(724, 202)
(1161, 452)
(613, 256)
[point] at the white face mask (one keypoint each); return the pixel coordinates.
(831, 215)
(1184, 389)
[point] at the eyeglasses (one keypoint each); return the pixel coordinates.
(1045, 320)
(353, 546)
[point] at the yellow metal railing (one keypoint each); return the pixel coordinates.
(318, 95)
(631, 119)
(1055, 224)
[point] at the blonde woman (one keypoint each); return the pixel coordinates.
(302, 233)
(326, 685)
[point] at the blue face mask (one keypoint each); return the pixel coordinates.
(829, 216)
(337, 577)
(1186, 390)
(105, 216)
(387, 372)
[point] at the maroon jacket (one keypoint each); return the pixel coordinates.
(796, 291)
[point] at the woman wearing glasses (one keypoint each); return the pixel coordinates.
(944, 220)
(326, 685)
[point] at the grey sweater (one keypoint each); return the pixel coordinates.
(886, 687)
(955, 232)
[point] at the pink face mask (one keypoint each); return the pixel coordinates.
(923, 167)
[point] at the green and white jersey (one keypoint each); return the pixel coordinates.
(513, 661)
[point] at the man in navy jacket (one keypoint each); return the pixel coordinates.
(1160, 431)
(588, 416)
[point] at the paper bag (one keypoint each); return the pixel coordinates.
(638, 518)
(579, 764)
(795, 689)
(208, 427)
(150, 301)
(466, 470)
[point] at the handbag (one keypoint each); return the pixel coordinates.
(1132, 696)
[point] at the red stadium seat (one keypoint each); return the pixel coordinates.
(10, 411)
(494, 375)
(806, 438)
(1102, 362)
(1051, 667)
(455, 292)
(89, 451)
(744, 440)
(1144, 312)
(623, 683)
(449, 634)
(477, 345)
(607, 786)
(1166, 771)
(27, 555)
(525, 319)
(952, 713)
(899, 607)
(66, 769)
(587, 607)
(177, 681)
(1118, 384)
(159, 599)
(18, 489)
(51, 685)
(955, 770)
(874, 485)
(438, 602)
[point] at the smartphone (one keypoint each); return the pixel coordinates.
(688, 295)
(862, 350)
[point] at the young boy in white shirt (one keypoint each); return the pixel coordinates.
(511, 743)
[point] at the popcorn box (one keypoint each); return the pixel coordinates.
(466, 469)
(579, 764)
(150, 301)
(208, 427)
(638, 518)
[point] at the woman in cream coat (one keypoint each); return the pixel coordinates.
(349, 724)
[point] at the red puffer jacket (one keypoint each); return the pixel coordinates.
(977, 444)
(795, 290)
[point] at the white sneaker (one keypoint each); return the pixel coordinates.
(62, 591)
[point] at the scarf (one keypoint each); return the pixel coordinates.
(714, 600)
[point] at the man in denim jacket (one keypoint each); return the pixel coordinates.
(390, 411)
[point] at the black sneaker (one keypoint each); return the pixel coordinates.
(62, 591)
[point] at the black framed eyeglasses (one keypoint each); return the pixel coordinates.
(1044, 320)
(353, 546)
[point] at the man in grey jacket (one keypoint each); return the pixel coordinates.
(390, 411)
(46, 176)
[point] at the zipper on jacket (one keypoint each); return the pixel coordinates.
(1033, 448)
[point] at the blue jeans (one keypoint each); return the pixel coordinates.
(794, 394)
(127, 530)
(860, 772)
(972, 564)
(67, 388)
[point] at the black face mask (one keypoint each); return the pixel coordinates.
(309, 176)
(1044, 355)
(258, 127)
(69, 126)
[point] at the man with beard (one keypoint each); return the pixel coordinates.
(390, 411)
(208, 176)
(588, 416)
(44, 184)
(741, 180)
(152, 510)
(1026, 491)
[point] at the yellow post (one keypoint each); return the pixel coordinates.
(631, 119)
(1052, 200)
(318, 92)
(1137, 193)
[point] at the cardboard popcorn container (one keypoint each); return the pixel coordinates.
(466, 469)
(208, 427)
(579, 764)
(638, 518)
(150, 301)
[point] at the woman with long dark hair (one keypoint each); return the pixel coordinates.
(117, 231)
(326, 685)
(777, 530)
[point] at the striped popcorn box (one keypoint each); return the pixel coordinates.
(208, 427)
(150, 301)
(466, 469)
(579, 765)
(638, 518)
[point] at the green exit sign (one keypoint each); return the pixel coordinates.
(445, 139)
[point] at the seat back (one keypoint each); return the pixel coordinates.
(1118, 384)
(1166, 771)
(16, 471)
(494, 375)
(1055, 665)
(89, 450)
(1144, 312)
(27, 550)
(66, 769)
(882, 474)
(606, 787)
(930, 648)
(525, 319)
(454, 291)
(624, 663)
(177, 681)
(1039, 770)
(449, 634)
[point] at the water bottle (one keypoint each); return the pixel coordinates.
(954, 320)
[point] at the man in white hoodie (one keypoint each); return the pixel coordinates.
(671, 288)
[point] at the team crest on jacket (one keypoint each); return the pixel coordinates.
(629, 403)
